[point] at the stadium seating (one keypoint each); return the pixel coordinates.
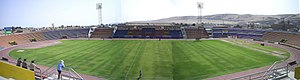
(148, 33)
(291, 38)
(239, 33)
(175, 34)
(20, 38)
(72, 33)
(294, 40)
(120, 34)
(133, 34)
(102, 33)
(75, 33)
(192, 33)
(41, 36)
(3, 41)
(276, 36)
(82, 33)
(51, 35)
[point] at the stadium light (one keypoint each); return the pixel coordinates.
(99, 8)
(200, 7)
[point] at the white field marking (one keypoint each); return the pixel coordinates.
(260, 50)
(131, 66)
(20, 50)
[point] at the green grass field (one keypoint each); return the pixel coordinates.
(263, 48)
(158, 60)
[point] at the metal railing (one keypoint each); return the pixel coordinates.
(273, 66)
(71, 73)
(74, 74)
(39, 74)
(47, 72)
(273, 74)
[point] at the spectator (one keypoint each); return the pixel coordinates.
(32, 66)
(19, 62)
(59, 68)
(24, 64)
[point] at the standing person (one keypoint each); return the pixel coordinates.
(140, 75)
(32, 66)
(19, 62)
(59, 68)
(24, 64)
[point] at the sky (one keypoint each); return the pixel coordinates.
(42, 13)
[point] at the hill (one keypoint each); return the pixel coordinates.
(230, 19)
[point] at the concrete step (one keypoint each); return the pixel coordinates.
(54, 77)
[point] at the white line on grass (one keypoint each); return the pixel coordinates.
(130, 66)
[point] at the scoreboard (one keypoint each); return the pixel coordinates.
(7, 30)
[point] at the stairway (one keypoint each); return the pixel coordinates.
(183, 33)
(67, 74)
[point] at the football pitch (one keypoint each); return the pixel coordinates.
(158, 60)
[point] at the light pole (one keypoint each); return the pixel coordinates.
(200, 7)
(99, 8)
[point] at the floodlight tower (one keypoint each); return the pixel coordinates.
(99, 8)
(52, 24)
(200, 7)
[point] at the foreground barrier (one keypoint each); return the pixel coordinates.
(297, 73)
(11, 71)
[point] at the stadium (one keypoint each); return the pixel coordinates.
(153, 51)
(150, 40)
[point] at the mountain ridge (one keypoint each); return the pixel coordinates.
(229, 19)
